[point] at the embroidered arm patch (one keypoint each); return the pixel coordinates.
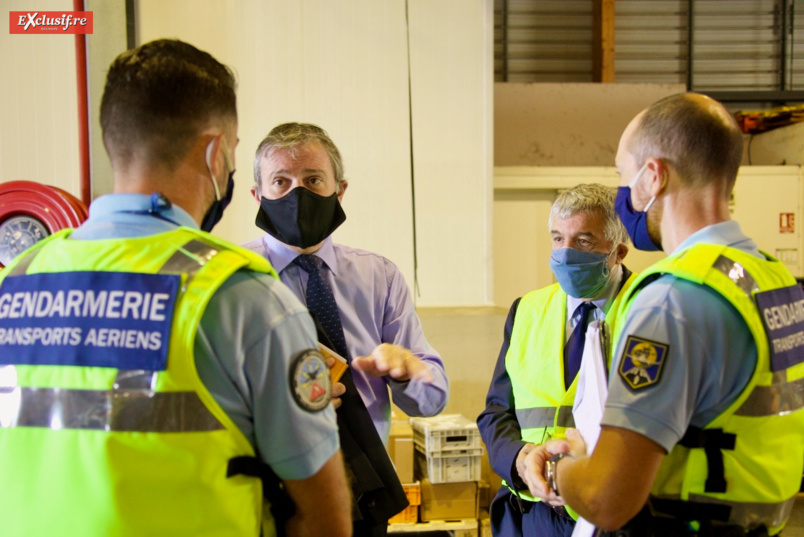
(310, 382)
(642, 362)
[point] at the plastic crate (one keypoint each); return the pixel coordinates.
(413, 491)
(410, 515)
(450, 466)
(449, 432)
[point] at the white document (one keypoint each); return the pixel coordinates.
(590, 399)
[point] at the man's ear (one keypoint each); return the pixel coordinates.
(622, 251)
(214, 155)
(341, 189)
(657, 172)
(256, 194)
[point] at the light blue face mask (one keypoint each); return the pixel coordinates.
(580, 274)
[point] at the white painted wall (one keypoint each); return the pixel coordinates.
(342, 65)
(38, 116)
(451, 49)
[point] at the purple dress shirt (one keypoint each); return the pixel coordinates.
(375, 307)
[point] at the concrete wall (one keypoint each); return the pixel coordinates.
(566, 124)
(782, 146)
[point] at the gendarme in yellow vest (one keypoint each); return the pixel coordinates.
(115, 451)
(535, 365)
(745, 466)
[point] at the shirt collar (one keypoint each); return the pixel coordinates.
(281, 255)
(138, 204)
(727, 233)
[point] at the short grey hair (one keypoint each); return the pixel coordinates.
(591, 198)
(693, 133)
(291, 136)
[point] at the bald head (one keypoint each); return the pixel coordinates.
(693, 133)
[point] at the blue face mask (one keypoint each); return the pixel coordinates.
(580, 274)
(635, 222)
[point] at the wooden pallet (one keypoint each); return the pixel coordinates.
(458, 528)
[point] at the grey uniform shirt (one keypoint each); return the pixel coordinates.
(249, 334)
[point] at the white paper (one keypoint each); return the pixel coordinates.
(590, 399)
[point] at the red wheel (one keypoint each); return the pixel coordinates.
(31, 211)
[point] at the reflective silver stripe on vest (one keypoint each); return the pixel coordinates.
(565, 417)
(749, 515)
(736, 273)
(112, 410)
(774, 400)
(531, 418)
(189, 258)
(21, 267)
(135, 379)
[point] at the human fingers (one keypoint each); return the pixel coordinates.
(338, 389)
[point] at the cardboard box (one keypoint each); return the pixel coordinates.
(400, 449)
(483, 498)
(484, 524)
(448, 501)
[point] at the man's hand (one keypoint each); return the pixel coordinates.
(577, 443)
(395, 361)
(535, 461)
(338, 388)
(534, 470)
(520, 459)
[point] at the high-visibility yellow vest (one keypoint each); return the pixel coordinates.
(112, 451)
(535, 365)
(745, 466)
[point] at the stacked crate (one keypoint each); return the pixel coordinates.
(448, 448)
(448, 453)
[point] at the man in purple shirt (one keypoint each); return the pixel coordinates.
(299, 183)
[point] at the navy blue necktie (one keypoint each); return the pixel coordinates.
(573, 350)
(375, 485)
(321, 302)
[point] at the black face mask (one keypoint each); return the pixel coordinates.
(301, 218)
(215, 211)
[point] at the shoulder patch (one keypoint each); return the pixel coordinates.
(310, 382)
(642, 362)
